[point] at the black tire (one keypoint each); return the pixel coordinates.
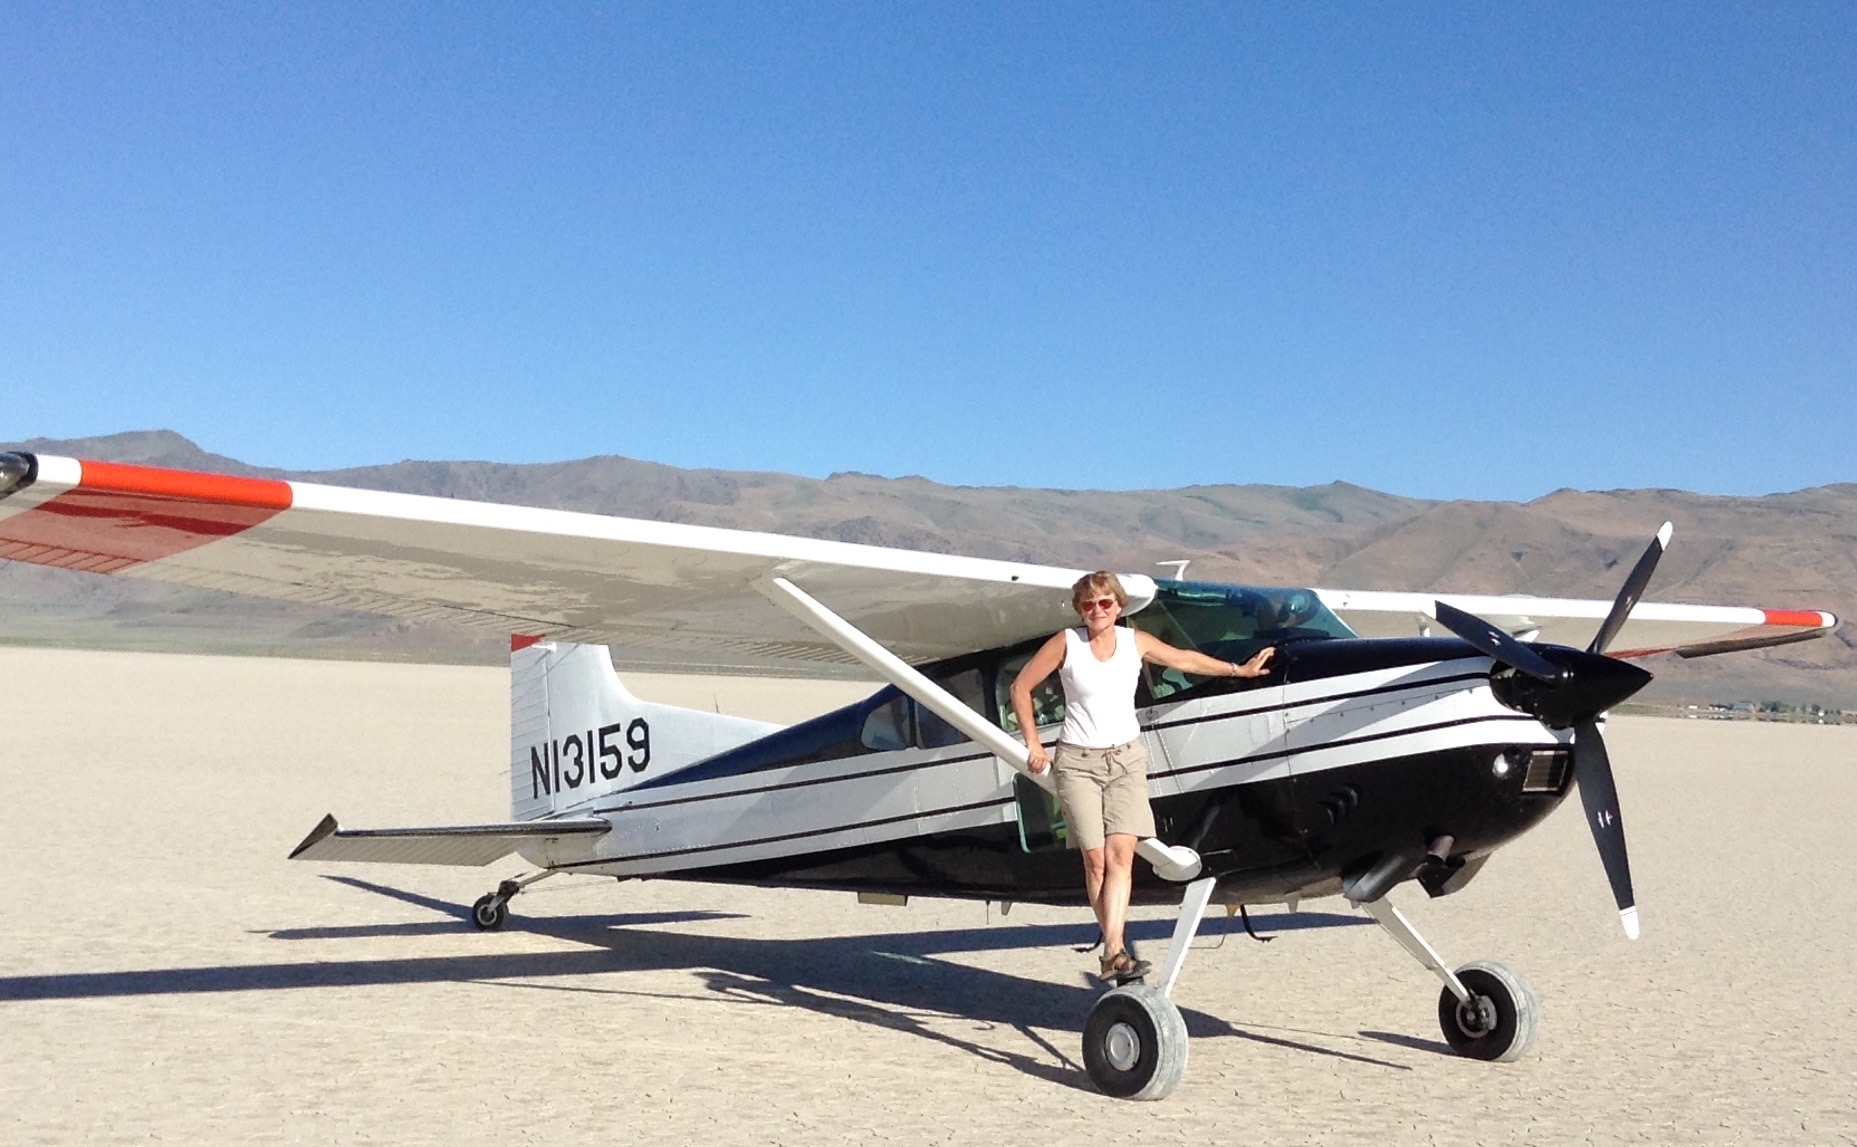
(1134, 1044)
(1500, 1022)
(490, 913)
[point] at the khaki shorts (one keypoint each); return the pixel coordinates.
(1103, 791)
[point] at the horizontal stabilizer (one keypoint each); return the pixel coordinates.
(466, 845)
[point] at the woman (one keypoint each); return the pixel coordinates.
(1101, 768)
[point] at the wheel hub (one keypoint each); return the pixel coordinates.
(1477, 1017)
(1122, 1047)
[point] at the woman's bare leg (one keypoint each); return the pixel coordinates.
(1093, 883)
(1117, 884)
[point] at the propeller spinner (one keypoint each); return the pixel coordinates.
(1569, 690)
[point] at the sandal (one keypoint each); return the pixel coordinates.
(1123, 968)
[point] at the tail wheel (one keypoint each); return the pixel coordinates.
(490, 912)
(1499, 1022)
(1134, 1044)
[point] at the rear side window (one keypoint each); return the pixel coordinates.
(933, 732)
(898, 722)
(888, 726)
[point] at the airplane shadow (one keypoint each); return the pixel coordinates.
(895, 981)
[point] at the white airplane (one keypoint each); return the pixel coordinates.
(1372, 754)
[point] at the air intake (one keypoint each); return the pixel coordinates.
(1548, 771)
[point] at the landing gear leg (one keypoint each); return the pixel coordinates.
(1134, 1043)
(491, 911)
(1487, 1010)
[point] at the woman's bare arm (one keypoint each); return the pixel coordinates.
(1044, 663)
(1192, 661)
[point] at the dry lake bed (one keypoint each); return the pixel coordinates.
(167, 976)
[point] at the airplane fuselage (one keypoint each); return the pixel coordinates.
(1352, 753)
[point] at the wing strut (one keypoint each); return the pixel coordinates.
(1171, 862)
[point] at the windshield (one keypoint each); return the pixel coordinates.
(1230, 622)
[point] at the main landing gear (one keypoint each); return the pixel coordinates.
(491, 911)
(1135, 1043)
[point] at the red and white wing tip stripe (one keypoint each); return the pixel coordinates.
(106, 517)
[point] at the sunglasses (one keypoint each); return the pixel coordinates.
(1099, 603)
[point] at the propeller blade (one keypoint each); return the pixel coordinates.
(1494, 643)
(1592, 770)
(1631, 591)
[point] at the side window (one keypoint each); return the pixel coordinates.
(887, 727)
(1223, 630)
(1047, 699)
(1161, 681)
(931, 731)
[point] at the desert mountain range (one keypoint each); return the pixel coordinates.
(1790, 550)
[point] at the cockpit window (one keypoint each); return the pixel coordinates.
(1229, 622)
(1047, 699)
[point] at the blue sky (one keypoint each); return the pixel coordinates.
(1453, 251)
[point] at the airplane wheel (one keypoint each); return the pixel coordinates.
(1499, 1022)
(490, 912)
(1134, 1044)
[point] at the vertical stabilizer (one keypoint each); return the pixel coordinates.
(576, 734)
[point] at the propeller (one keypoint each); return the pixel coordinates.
(1592, 769)
(1570, 690)
(1631, 591)
(1494, 643)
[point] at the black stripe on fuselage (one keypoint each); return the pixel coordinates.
(1344, 742)
(1155, 726)
(831, 830)
(1285, 706)
(997, 802)
(1256, 860)
(804, 782)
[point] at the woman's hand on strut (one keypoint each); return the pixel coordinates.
(1036, 759)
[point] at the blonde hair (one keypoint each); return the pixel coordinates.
(1100, 582)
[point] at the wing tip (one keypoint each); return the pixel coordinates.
(325, 828)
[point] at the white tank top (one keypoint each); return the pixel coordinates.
(1099, 696)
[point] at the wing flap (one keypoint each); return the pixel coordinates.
(464, 845)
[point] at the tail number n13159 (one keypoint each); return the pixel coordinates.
(578, 758)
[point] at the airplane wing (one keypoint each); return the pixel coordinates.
(1654, 627)
(662, 594)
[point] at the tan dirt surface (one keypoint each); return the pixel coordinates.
(167, 976)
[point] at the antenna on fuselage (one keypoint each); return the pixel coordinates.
(1179, 565)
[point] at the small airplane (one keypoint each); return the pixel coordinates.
(1375, 751)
